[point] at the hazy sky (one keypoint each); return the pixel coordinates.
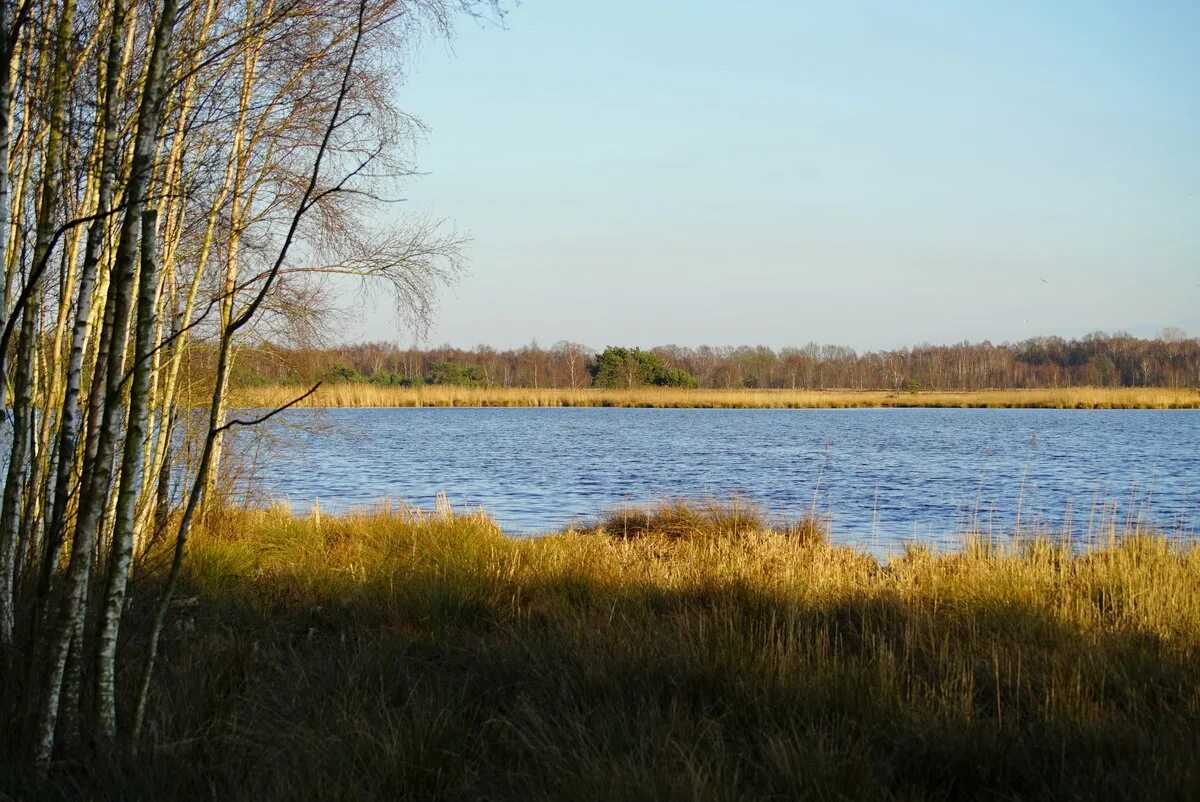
(870, 174)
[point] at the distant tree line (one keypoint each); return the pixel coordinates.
(1104, 360)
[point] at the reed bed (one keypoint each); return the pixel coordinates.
(665, 653)
(368, 395)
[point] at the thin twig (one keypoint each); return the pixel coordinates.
(264, 418)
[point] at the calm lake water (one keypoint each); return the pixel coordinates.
(883, 476)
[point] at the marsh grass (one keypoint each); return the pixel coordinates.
(674, 652)
(679, 519)
(367, 395)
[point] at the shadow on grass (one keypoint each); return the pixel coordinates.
(578, 690)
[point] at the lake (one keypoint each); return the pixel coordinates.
(882, 476)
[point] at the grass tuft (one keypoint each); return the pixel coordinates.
(680, 519)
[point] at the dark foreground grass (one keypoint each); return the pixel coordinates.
(391, 656)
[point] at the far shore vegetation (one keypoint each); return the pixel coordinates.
(1171, 360)
(1100, 371)
(681, 651)
(365, 395)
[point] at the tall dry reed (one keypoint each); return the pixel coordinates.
(368, 395)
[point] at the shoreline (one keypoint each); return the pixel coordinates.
(680, 517)
(366, 396)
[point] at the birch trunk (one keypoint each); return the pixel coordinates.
(69, 420)
(215, 426)
(10, 518)
(93, 503)
(121, 552)
(9, 32)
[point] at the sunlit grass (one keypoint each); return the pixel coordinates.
(685, 652)
(368, 395)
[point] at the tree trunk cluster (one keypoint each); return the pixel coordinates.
(172, 176)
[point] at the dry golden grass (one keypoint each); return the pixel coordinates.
(667, 653)
(368, 395)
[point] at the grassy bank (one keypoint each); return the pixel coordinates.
(367, 395)
(676, 654)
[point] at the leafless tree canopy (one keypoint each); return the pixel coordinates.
(1103, 360)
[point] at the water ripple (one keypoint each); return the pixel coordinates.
(882, 474)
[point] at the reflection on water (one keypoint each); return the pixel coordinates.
(882, 475)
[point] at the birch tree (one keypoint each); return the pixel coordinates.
(173, 178)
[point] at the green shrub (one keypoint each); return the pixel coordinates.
(453, 373)
(393, 379)
(341, 374)
(675, 377)
(633, 367)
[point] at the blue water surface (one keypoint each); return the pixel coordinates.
(882, 476)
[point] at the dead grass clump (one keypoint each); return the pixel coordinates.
(683, 520)
(807, 531)
(711, 519)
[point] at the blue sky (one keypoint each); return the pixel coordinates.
(870, 174)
